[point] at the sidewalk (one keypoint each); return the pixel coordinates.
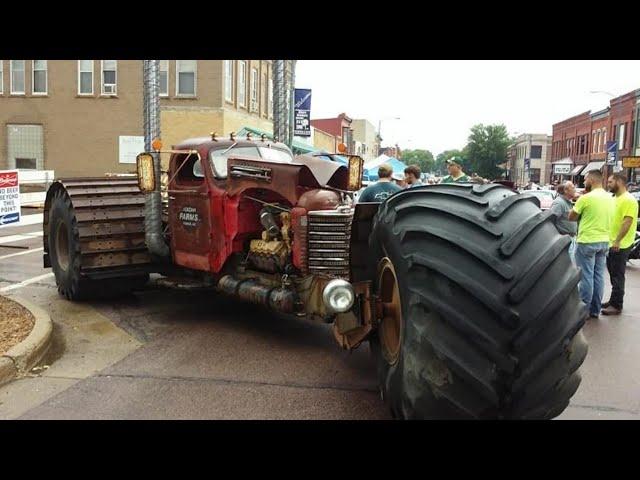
(610, 387)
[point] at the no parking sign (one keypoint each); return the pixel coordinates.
(9, 197)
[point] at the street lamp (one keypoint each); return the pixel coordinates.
(380, 125)
(602, 91)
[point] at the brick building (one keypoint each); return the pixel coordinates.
(340, 127)
(579, 142)
(77, 116)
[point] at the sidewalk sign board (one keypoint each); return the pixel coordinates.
(9, 197)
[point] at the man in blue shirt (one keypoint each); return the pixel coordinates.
(382, 189)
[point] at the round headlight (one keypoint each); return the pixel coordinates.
(338, 295)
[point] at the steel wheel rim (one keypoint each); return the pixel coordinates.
(62, 246)
(390, 330)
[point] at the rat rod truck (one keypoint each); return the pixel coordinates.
(465, 293)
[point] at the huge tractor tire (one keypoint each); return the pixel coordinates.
(65, 254)
(481, 314)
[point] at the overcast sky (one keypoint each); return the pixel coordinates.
(439, 100)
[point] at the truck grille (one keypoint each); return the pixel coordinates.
(328, 238)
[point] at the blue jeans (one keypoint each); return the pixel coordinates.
(591, 259)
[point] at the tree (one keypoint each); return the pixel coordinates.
(487, 148)
(422, 158)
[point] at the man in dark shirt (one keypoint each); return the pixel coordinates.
(382, 189)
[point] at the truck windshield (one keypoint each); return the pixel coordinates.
(275, 155)
(219, 158)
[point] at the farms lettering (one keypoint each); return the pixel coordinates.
(189, 217)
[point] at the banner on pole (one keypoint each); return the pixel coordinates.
(612, 152)
(302, 112)
(9, 197)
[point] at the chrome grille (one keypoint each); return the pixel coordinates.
(328, 235)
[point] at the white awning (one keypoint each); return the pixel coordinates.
(591, 167)
(576, 170)
(563, 161)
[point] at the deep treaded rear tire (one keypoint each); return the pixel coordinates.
(490, 307)
(71, 284)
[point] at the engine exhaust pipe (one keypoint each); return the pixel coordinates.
(250, 290)
(154, 238)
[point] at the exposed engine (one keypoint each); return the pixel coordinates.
(272, 253)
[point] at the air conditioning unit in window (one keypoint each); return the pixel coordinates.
(109, 89)
(254, 105)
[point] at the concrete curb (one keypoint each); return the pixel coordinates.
(23, 356)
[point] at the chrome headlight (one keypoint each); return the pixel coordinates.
(338, 296)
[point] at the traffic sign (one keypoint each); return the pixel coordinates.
(612, 152)
(630, 162)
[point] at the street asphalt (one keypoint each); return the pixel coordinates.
(159, 354)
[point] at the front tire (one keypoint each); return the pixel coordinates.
(487, 315)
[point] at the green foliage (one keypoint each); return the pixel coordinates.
(423, 158)
(486, 149)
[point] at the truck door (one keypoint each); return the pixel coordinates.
(189, 213)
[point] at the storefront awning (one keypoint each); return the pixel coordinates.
(563, 161)
(576, 170)
(591, 167)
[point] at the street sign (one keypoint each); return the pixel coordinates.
(562, 169)
(630, 162)
(612, 152)
(130, 147)
(9, 197)
(302, 112)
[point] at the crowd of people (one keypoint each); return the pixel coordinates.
(602, 227)
(388, 183)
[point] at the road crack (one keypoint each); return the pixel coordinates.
(228, 381)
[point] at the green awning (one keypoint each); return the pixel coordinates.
(298, 147)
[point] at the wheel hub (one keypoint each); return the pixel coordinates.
(62, 245)
(390, 330)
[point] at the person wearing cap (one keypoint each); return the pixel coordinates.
(382, 189)
(399, 179)
(456, 175)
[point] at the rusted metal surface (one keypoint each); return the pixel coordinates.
(109, 212)
(350, 329)
(252, 290)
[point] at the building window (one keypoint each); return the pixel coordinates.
(17, 77)
(1, 77)
(621, 139)
(254, 89)
(85, 77)
(228, 80)
(242, 83)
(39, 80)
(109, 77)
(604, 140)
(164, 78)
(186, 77)
(536, 151)
(265, 94)
(270, 98)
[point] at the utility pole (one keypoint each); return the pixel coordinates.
(283, 91)
(151, 120)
